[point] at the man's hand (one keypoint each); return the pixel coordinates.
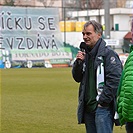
(80, 55)
(99, 105)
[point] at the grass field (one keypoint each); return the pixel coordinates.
(40, 100)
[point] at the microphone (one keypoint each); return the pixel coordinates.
(83, 48)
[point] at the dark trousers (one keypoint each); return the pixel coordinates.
(99, 121)
(129, 127)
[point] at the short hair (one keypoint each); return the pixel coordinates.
(97, 26)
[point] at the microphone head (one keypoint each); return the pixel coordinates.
(83, 46)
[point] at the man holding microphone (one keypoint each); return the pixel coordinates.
(98, 69)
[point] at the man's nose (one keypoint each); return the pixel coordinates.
(84, 36)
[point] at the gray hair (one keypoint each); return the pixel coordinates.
(97, 26)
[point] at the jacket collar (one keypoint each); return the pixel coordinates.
(100, 54)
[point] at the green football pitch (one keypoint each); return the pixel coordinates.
(40, 100)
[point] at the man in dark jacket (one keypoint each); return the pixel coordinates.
(98, 70)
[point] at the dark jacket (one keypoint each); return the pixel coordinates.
(112, 68)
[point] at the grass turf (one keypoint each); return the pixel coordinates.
(40, 100)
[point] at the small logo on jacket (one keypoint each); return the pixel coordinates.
(112, 60)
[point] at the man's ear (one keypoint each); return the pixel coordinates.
(99, 34)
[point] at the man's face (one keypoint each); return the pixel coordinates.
(90, 37)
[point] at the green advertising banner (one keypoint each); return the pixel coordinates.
(31, 33)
